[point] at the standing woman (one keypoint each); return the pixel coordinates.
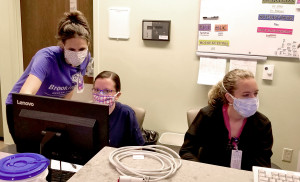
(55, 71)
(230, 131)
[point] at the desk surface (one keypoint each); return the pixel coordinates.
(99, 169)
(4, 154)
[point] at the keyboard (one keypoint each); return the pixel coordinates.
(264, 174)
(59, 176)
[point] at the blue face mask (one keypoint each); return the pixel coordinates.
(245, 107)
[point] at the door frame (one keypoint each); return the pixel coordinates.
(96, 39)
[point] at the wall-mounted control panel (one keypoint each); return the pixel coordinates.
(156, 30)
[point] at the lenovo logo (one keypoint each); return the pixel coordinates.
(25, 103)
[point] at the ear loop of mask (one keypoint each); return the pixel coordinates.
(116, 95)
(113, 99)
(228, 93)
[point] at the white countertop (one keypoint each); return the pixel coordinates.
(4, 154)
(99, 169)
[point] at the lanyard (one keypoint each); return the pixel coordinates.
(232, 140)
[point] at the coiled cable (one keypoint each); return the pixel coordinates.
(163, 154)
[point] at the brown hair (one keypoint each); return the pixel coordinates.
(216, 95)
(113, 76)
(73, 24)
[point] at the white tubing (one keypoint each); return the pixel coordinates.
(164, 155)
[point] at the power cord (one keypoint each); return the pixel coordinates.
(60, 171)
(164, 155)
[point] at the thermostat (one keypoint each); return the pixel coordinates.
(156, 30)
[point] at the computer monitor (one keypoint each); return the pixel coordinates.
(60, 129)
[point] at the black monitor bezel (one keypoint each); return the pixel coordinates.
(96, 112)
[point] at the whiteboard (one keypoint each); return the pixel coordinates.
(249, 27)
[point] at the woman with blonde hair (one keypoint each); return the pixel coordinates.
(230, 131)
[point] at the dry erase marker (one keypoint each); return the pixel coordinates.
(210, 17)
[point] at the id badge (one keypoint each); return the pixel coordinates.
(80, 84)
(236, 159)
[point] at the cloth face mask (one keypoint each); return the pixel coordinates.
(104, 99)
(75, 58)
(245, 107)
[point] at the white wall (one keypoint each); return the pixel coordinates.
(161, 76)
(155, 75)
(11, 60)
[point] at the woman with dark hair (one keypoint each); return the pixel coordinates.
(230, 131)
(55, 71)
(123, 127)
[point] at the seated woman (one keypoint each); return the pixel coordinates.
(230, 131)
(123, 127)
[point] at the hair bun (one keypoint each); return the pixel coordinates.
(74, 16)
(73, 24)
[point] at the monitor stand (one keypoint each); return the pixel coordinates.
(48, 136)
(51, 143)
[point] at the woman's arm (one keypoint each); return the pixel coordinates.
(192, 139)
(31, 85)
(189, 149)
(263, 157)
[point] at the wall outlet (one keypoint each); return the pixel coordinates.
(287, 154)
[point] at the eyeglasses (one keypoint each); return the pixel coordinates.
(103, 92)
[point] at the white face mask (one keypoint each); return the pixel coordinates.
(75, 58)
(245, 107)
